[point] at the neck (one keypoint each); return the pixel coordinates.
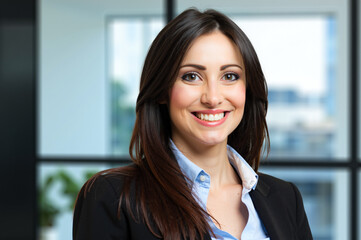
(213, 159)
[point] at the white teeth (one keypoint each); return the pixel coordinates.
(210, 117)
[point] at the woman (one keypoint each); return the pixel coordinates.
(196, 146)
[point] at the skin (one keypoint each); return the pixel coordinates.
(212, 80)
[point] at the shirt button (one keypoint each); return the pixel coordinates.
(202, 178)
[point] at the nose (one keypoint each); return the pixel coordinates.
(212, 94)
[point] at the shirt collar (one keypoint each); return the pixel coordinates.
(248, 176)
(245, 171)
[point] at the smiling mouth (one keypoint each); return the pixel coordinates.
(209, 117)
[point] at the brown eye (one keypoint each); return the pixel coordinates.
(190, 77)
(230, 77)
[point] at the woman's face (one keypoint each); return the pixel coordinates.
(208, 97)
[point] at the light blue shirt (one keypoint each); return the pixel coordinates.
(254, 229)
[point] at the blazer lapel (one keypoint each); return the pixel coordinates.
(273, 217)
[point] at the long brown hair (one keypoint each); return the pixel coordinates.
(164, 198)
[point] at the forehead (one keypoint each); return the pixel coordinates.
(213, 47)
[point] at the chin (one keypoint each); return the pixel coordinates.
(211, 141)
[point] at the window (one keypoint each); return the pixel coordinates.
(298, 56)
(129, 41)
(325, 197)
(87, 96)
(90, 59)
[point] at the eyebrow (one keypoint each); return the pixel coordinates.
(231, 65)
(200, 67)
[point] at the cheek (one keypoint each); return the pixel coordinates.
(239, 96)
(178, 102)
(181, 96)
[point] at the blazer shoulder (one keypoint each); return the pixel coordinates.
(280, 201)
(110, 180)
(268, 184)
(271, 180)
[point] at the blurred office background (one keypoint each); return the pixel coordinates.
(70, 73)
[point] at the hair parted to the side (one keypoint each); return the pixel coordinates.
(163, 194)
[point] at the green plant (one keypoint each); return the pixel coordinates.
(69, 188)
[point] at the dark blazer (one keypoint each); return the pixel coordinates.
(278, 203)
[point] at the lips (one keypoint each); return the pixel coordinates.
(210, 117)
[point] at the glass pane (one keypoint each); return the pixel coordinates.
(325, 198)
(303, 50)
(129, 41)
(301, 115)
(58, 186)
(74, 92)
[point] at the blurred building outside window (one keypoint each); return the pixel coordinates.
(297, 54)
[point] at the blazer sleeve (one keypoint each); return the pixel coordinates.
(95, 213)
(303, 228)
